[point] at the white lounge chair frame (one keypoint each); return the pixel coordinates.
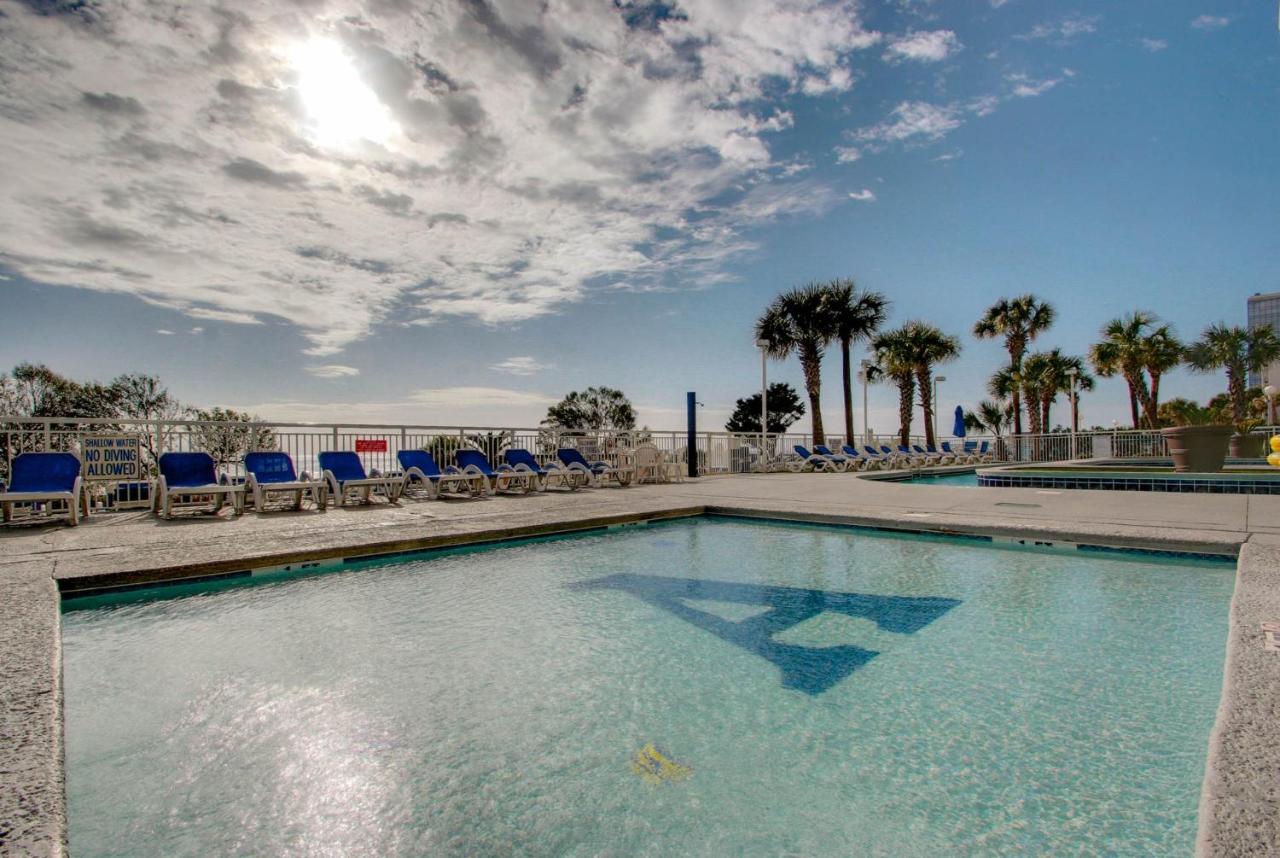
(390, 486)
(167, 499)
(472, 484)
(77, 501)
(319, 490)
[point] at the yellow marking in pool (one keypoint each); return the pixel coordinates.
(650, 764)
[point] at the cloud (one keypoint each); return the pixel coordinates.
(333, 370)
(491, 160)
(1153, 45)
(196, 330)
(996, 4)
(866, 195)
(1025, 86)
(1210, 22)
(949, 156)
(1063, 30)
(925, 46)
(847, 154)
(164, 332)
(520, 366)
(913, 120)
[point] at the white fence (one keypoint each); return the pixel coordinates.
(378, 444)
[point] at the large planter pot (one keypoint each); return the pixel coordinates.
(1200, 449)
(1247, 446)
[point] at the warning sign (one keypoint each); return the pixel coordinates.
(371, 445)
(111, 457)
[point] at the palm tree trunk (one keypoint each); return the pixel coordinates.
(1155, 398)
(1133, 403)
(906, 404)
(1139, 385)
(845, 346)
(1016, 400)
(1046, 405)
(811, 364)
(924, 380)
(1236, 390)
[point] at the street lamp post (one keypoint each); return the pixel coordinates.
(865, 376)
(1071, 373)
(763, 345)
(937, 380)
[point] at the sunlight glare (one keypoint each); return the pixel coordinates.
(341, 108)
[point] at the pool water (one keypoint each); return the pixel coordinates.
(968, 479)
(804, 691)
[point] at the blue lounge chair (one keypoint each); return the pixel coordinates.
(504, 479)
(947, 456)
(271, 471)
(48, 480)
(524, 462)
(931, 457)
(985, 453)
(811, 461)
(842, 462)
(190, 481)
(888, 458)
(596, 472)
(959, 456)
(420, 468)
(862, 460)
(345, 474)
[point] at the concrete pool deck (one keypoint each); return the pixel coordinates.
(1241, 799)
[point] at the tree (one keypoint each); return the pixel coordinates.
(1124, 350)
(857, 315)
(1164, 352)
(992, 417)
(927, 346)
(1238, 351)
(1047, 374)
(1019, 321)
(784, 406)
(895, 362)
(1184, 412)
(144, 397)
(597, 408)
(800, 321)
(236, 434)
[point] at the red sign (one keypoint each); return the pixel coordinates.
(371, 445)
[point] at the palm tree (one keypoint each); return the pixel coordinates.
(895, 361)
(1047, 374)
(1164, 352)
(1124, 350)
(1239, 351)
(800, 321)
(1019, 320)
(991, 417)
(928, 346)
(857, 316)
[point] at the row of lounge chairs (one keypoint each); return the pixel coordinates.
(883, 457)
(52, 483)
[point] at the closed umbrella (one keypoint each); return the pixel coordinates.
(958, 429)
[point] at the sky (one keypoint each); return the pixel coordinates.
(456, 212)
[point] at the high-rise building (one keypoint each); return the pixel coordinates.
(1264, 311)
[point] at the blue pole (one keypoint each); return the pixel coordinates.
(691, 447)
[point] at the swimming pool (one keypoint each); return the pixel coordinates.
(805, 690)
(968, 479)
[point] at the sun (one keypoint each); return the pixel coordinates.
(341, 108)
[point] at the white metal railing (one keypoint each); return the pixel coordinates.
(1104, 444)
(378, 444)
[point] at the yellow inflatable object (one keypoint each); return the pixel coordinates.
(1274, 460)
(1275, 443)
(650, 764)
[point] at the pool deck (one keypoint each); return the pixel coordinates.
(1240, 809)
